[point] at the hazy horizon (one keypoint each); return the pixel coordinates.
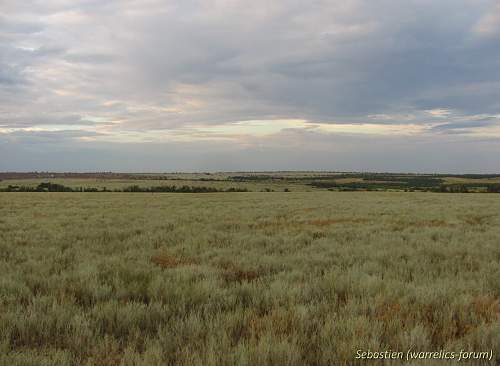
(191, 86)
(214, 172)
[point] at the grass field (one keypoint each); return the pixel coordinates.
(299, 278)
(257, 181)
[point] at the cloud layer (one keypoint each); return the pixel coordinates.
(287, 84)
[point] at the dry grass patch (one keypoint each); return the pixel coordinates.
(315, 222)
(327, 222)
(487, 308)
(431, 223)
(400, 225)
(387, 311)
(166, 260)
(478, 219)
(234, 273)
(279, 323)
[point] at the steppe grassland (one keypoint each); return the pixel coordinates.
(245, 278)
(112, 184)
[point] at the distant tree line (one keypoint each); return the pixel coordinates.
(470, 187)
(410, 185)
(54, 187)
(250, 178)
(453, 188)
(181, 189)
(493, 188)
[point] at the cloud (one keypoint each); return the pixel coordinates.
(51, 137)
(45, 120)
(152, 70)
(14, 26)
(462, 125)
(489, 24)
(291, 149)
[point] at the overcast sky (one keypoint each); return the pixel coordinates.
(150, 85)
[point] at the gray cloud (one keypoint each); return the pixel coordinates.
(21, 26)
(466, 124)
(289, 150)
(47, 120)
(51, 137)
(155, 65)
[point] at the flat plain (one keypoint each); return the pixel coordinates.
(258, 278)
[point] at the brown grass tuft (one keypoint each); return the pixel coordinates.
(233, 273)
(327, 222)
(400, 225)
(280, 323)
(240, 275)
(486, 307)
(387, 310)
(171, 261)
(431, 223)
(478, 219)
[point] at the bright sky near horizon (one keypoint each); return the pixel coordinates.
(131, 85)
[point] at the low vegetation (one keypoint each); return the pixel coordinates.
(247, 182)
(55, 187)
(246, 278)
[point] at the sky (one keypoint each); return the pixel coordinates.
(160, 86)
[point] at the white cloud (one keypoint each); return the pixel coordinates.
(489, 24)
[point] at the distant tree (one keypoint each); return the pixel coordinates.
(493, 188)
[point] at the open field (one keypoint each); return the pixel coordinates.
(246, 278)
(255, 181)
